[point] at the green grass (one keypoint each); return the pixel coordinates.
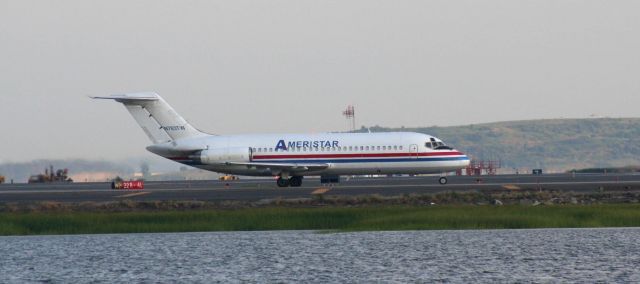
(368, 218)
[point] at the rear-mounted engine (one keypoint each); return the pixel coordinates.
(222, 155)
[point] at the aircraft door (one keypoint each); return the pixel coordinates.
(413, 150)
(250, 154)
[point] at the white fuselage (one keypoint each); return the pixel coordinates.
(345, 153)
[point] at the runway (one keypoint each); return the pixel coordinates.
(265, 189)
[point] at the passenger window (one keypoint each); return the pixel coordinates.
(400, 147)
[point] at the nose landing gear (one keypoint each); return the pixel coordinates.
(443, 180)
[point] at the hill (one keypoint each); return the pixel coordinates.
(554, 144)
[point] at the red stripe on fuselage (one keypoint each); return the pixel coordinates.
(373, 155)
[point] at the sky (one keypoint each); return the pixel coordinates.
(233, 67)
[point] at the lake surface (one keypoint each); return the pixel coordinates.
(541, 256)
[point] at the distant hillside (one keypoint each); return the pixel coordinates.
(556, 144)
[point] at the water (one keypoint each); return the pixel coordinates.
(556, 255)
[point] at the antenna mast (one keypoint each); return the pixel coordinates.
(350, 113)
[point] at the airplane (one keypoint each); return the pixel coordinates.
(288, 157)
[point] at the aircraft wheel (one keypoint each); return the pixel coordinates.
(282, 182)
(443, 180)
(295, 181)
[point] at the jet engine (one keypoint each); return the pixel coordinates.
(223, 155)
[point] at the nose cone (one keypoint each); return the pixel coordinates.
(465, 159)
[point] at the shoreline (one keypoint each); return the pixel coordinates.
(477, 210)
(355, 219)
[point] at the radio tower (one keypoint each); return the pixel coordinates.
(350, 113)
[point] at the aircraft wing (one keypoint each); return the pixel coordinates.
(292, 167)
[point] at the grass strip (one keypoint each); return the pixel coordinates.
(366, 218)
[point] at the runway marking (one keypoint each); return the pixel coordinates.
(511, 187)
(322, 190)
(133, 194)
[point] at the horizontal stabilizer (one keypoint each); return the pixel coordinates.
(124, 98)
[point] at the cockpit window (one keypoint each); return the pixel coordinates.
(437, 145)
(441, 146)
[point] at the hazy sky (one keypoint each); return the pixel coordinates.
(292, 66)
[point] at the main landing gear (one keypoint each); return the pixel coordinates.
(294, 181)
(443, 180)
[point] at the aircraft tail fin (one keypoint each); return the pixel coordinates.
(156, 117)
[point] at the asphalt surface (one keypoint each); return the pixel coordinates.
(261, 189)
